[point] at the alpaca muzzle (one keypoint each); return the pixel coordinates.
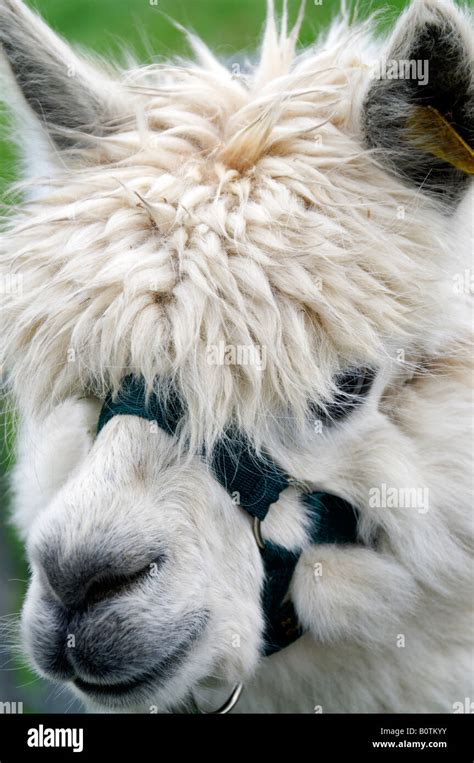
(258, 481)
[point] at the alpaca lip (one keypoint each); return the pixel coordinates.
(148, 678)
(111, 689)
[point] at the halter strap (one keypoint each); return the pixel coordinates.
(257, 481)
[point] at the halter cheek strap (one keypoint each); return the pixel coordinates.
(256, 481)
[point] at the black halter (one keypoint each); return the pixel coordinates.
(257, 481)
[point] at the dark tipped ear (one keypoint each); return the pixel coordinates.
(419, 110)
(64, 92)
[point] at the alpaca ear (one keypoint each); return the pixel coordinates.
(51, 85)
(419, 110)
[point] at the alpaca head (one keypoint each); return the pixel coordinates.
(247, 239)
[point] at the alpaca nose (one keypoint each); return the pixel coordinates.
(86, 578)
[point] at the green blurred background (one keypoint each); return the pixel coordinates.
(146, 28)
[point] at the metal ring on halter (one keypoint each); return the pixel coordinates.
(228, 705)
(257, 531)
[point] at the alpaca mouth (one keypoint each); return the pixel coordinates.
(115, 689)
(152, 677)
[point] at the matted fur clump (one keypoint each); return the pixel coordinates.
(220, 210)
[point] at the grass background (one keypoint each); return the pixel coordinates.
(146, 28)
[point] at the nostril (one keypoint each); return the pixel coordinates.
(84, 579)
(109, 583)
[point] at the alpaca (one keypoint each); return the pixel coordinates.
(283, 250)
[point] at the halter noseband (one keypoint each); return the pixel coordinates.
(258, 482)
